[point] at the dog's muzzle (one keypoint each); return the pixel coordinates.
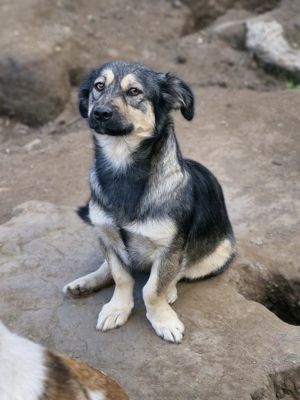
(107, 120)
(101, 113)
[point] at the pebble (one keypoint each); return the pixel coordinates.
(257, 242)
(33, 145)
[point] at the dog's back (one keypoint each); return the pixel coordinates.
(28, 371)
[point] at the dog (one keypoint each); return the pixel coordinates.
(152, 210)
(29, 371)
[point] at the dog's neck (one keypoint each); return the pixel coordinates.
(116, 151)
(148, 166)
(119, 153)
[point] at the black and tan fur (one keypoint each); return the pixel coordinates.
(152, 209)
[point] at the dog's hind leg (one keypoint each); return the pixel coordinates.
(214, 263)
(161, 290)
(89, 283)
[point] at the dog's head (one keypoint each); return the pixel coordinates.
(122, 98)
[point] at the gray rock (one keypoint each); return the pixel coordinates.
(34, 77)
(233, 348)
(204, 12)
(231, 27)
(33, 145)
(266, 40)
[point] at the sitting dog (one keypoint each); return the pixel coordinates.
(28, 371)
(152, 209)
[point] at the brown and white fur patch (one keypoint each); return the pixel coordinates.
(28, 371)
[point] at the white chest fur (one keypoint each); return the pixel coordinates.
(159, 231)
(118, 149)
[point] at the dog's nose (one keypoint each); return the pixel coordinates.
(102, 113)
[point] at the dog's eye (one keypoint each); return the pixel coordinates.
(99, 86)
(134, 91)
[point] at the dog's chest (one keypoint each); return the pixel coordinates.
(158, 231)
(145, 240)
(119, 193)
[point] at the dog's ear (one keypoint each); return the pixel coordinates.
(177, 95)
(84, 92)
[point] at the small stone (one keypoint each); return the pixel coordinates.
(200, 40)
(21, 129)
(257, 242)
(33, 145)
(91, 18)
(176, 3)
(180, 59)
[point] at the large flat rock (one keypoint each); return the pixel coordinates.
(233, 348)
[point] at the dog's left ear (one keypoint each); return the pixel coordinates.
(177, 95)
(84, 92)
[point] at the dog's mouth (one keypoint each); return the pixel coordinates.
(115, 132)
(111, 129)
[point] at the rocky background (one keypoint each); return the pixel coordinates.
(242, 59)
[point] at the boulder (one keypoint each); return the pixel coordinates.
(231, 27)
(204, 12)
(34, 77)
(233, 348)
(265, 39)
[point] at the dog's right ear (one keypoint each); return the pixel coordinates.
(84, 92)
(177, 94)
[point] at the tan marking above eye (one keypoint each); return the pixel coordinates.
(107, 75)
(130, 80)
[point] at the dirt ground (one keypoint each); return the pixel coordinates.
(58, 163)
(246, 130)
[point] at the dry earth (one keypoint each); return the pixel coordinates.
(242, 329)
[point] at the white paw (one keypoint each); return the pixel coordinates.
(78, 288)
(167, 324)
(112, 316)
(171, 295)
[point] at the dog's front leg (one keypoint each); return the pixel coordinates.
(163, 278)
(116, 312)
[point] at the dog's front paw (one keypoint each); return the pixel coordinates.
(112, 316)
(166, 324)
(78, 288)
(171, 295)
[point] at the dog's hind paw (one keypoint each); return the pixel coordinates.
(167, 325)
(112, 316)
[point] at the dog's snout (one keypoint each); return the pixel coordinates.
(102, 113)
